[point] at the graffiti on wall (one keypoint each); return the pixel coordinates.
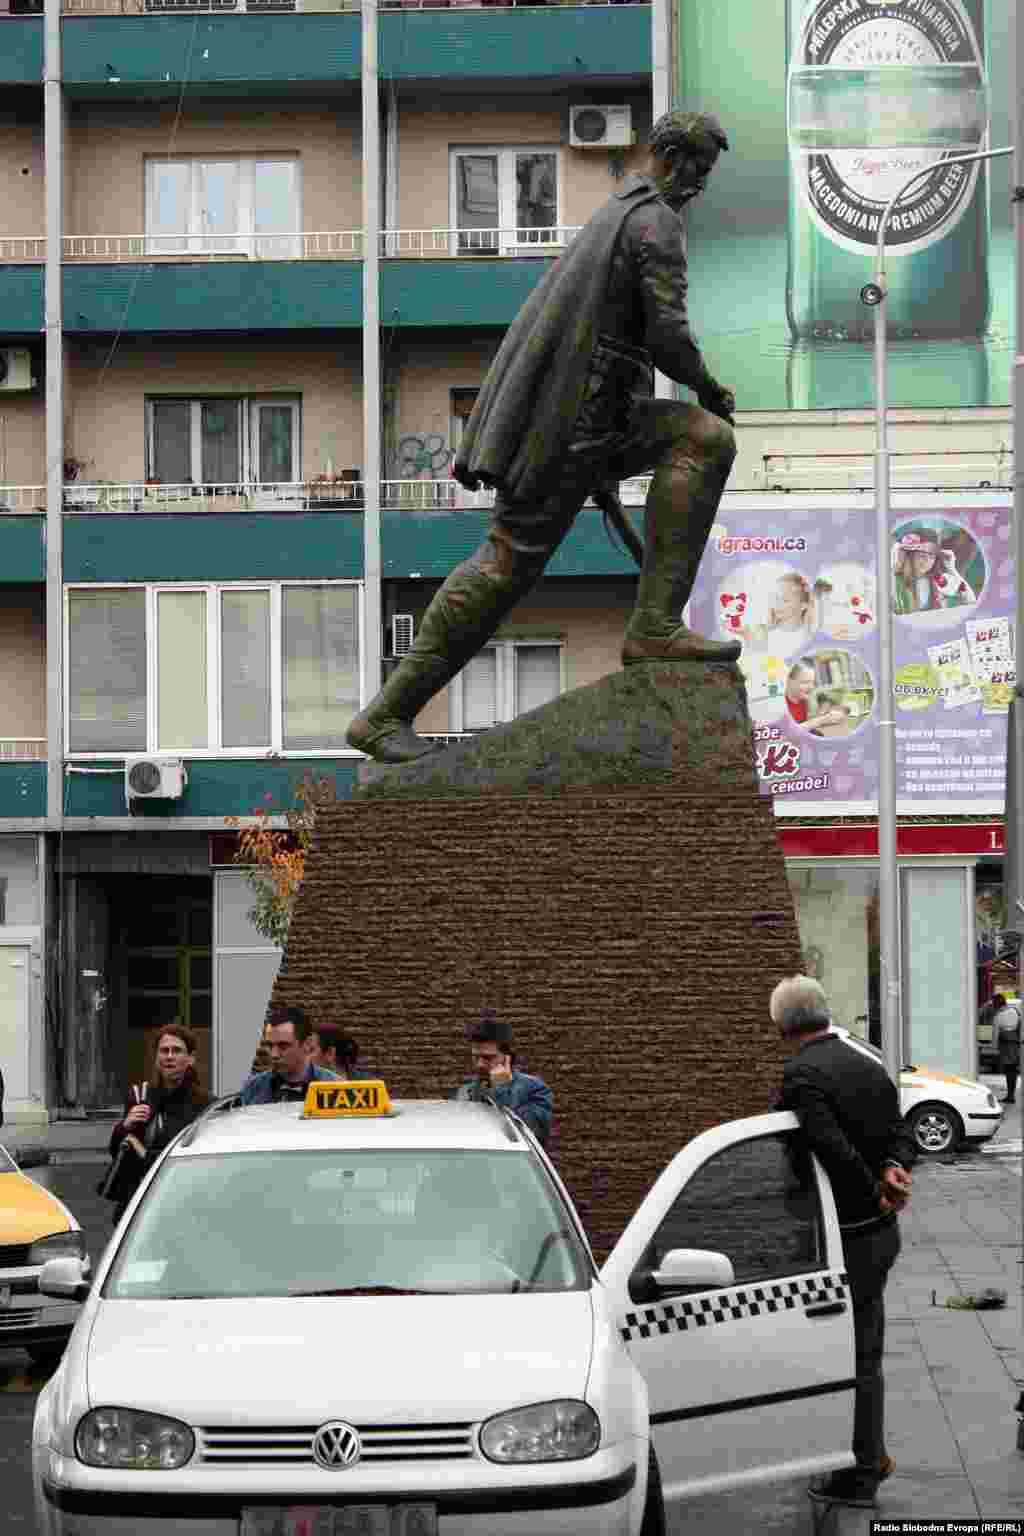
(423, 456)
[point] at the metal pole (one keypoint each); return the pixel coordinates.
(1013, 880)
(890, 994)
(662, 97)
(372, 564)
(53, 155)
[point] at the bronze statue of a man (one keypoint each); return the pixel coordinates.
(567, 409)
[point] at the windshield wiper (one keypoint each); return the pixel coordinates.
(370, 1290)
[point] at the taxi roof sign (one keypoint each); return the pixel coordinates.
(346, 1099)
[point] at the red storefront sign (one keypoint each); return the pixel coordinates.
(860, 840)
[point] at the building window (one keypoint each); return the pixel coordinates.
(505, 680)
(462, 403)
(837, 915)
(212, 669)
(505, 201)
(106, 671)
(223, 441)
(224, 207)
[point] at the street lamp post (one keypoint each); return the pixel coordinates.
(889, 992)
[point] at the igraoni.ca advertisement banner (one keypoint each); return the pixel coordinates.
(794, 579)
(830, 107)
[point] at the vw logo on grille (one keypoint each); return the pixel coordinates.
(336, 1445)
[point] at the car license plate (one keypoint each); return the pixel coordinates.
(340, 1520)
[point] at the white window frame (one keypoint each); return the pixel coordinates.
(213, 592)
(505, 680)
(243, 242)
(508, 245)
(253, 404)
(248, 407)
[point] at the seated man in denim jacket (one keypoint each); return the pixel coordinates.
(496, 1078)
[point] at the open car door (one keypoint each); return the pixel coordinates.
(750, 1367)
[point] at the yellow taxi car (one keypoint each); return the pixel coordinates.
(34, 1226)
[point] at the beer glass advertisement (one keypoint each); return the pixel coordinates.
(796, 584)
(830, 107)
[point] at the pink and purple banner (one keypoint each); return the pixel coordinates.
(794, 579)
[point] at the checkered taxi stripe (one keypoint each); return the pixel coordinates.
(724, 1306)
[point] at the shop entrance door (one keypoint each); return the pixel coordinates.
(162, 959)
(138, 956)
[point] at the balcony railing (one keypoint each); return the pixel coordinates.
(316, 245)
(243, 7)
(343, 244)
(22, 247)
(477, 242)
(22, 498)
(297, 496)
(22, 749)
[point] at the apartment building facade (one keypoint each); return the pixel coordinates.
(190, 176)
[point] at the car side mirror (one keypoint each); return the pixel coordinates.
(66, 1278)
(694, 1266)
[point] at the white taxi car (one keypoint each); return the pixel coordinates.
(941, 1111)
(316, 1320)
(34, 1226)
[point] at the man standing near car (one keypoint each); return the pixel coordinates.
(291, 1070)
(849, 1112)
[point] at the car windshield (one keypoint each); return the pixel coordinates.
(349, 1223)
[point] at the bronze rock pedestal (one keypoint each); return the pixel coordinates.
(604, 873)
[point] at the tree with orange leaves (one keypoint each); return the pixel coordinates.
(275, 858)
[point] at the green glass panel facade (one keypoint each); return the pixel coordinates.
(124, 58)
(22, 790)
(21, 302)
(222, 787)
(22, 555)
(21, 57)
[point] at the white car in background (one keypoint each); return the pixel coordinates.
(941, 1111)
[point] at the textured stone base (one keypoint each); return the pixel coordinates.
(604, 873)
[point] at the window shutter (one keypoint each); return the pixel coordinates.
(107, 671)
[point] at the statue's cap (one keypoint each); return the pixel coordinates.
(695, 130)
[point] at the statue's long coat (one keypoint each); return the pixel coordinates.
(522, 422)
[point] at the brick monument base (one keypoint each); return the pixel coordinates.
(604, 873)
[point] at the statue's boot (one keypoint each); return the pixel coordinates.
(681, 507)
(462, 617)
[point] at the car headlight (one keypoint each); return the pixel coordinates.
(560, 1431)
(129, 1440)
(62, 1245)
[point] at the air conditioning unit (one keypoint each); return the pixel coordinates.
(600, 127)
(154, 778)
(401, 634)
(15, 368)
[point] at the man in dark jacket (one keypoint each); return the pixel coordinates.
(849, 1112)
(567, 410)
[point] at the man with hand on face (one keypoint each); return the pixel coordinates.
(849, 1112)
(291, 1070)
(496, 1077)
(566, 411)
